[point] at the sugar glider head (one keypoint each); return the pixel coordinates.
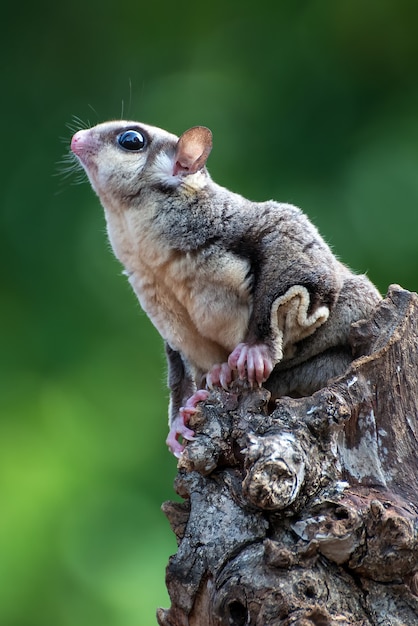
(122, 158)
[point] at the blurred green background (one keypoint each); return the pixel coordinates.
(313, 103)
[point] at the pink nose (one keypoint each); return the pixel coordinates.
(79, 141)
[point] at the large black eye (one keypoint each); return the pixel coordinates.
(132, 140)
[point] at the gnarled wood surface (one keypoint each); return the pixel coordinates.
(306, 513)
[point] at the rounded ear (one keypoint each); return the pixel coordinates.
(192, 150)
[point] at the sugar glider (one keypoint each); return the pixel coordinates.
(236, 288)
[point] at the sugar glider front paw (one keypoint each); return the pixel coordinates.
(220, 375)
(179, 426)
(252, 362)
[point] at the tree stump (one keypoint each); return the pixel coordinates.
(305, 512)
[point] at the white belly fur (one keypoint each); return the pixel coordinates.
(202, 318)
(201, 307)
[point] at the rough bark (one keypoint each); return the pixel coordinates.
(305, 512)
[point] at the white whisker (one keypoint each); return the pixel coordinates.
(68, 168)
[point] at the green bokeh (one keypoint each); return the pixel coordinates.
(310, 102)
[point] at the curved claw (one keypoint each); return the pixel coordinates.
(179, 427)
(199, 396)
(220, 375)
(253, 362)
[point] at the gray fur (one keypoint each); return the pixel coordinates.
(215, 271)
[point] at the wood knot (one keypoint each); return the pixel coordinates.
(275, 471)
